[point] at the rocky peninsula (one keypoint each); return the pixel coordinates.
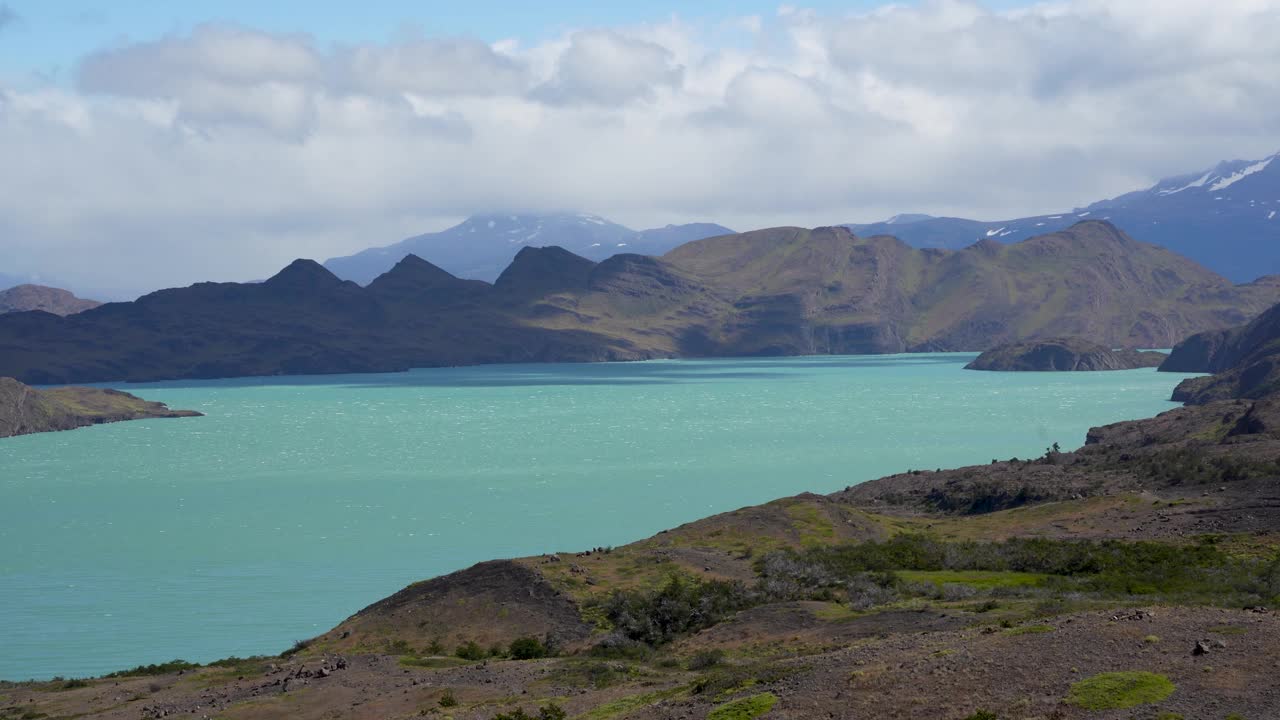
(1063, 354)
(25, 410)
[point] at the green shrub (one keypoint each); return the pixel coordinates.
(298, 646)
(679, 606)
(448, 699)
(1120, 690)
(399, 647)
(528, 648)
(156, 669)
(470, 650)
(983, 715)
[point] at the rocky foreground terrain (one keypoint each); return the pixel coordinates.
(1134, 577)
(25, 410)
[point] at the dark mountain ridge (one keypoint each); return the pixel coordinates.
(782, 291)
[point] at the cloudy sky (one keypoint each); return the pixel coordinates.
(149, 143)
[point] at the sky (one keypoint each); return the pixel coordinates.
(150, 144)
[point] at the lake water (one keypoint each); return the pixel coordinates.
(298, 501)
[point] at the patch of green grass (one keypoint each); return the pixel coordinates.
(1120, 690)
(1029, 630)
(984, 579)
(747, 708)
(1170, 716)
(1228, 630)
(814, 527)
(625, 705)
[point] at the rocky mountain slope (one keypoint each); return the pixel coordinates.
(1246, 361)
(22, 298)
(1063, 354)
(1227, 218)
(483, 245)
(1133, 577)
(784, 291)
(25, 410)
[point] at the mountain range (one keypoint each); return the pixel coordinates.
(781, 291)
(483, 245)
(1226, 218)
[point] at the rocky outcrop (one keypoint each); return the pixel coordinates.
(39, 297)
(490, 602)
(1063, 354)
(25, 410)
(1246, 361)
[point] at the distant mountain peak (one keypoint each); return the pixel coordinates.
(1226, 217)
(414, 271)
(303, 274)
(481, 246)
(542, 270)
(1216, 179)
(907, 218)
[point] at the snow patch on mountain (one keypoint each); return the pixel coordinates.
(1199, 182)
(1239, 175)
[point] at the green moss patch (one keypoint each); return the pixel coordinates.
(747, 708)
(976, 578)
(625, 705)
(1120, 690)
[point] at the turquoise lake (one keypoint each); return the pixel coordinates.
(298, 501)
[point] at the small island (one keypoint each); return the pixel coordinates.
(25, 410)
(1063, 354)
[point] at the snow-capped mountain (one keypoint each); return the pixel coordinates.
(483, 245)
(1226, 218)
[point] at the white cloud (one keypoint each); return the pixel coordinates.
(606, 68)
(223, 153)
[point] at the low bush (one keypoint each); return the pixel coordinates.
(678, 607)
(448, 699)
(470, 650)
(156, 669)
(527, 648)
(705, 659)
